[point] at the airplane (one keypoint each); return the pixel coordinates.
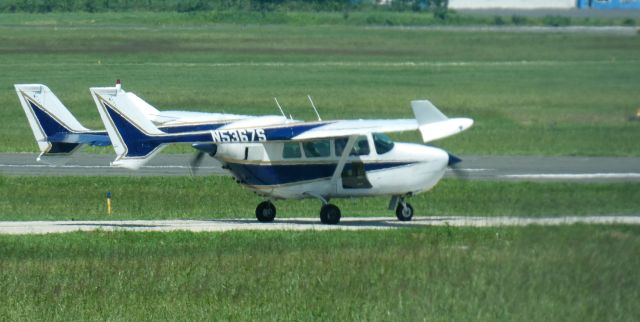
(59, 134)
(295, 160)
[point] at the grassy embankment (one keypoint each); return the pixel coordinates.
(576, 273)
(530, 93)
(66, 198)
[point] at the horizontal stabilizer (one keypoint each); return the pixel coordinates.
(434, 125)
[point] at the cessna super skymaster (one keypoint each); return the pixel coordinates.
(291, 159)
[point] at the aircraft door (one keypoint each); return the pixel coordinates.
(354, 174)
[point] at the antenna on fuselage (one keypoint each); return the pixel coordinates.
(314, 107)
(279, 107)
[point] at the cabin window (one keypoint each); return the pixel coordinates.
(317, 149)
(382, 142)
(291, 150)
(361, 147)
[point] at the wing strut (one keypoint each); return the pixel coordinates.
(343, 160)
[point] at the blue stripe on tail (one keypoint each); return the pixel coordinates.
(141, 144)
(64, 139)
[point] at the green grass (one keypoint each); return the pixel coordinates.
(572, 273)
(306, 18)
(66, 198)
(530, 93)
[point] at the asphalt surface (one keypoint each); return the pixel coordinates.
(371, 223)
(510, 168)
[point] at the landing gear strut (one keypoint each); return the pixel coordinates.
(329, 214)
(266, 211)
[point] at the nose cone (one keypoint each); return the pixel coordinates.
(436, 159)
(453, 160)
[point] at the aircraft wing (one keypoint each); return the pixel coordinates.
(357, 127)
(433, 125)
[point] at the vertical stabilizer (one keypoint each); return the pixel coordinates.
(134, 137)
(57, 132)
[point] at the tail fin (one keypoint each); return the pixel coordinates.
(135, 138)
(57, 132)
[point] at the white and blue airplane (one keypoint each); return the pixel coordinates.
(295, 159)
(59, 134)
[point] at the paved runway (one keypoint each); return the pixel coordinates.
(370, 223)
(513, 168)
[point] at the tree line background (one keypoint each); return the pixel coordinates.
(44, 6)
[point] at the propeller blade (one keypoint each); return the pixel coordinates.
(195, 162)
(203, 148)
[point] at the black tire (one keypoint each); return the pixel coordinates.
(330, 214)
(404, 213)
(266, 211)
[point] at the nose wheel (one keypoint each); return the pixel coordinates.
(266, 211)
(404, 211)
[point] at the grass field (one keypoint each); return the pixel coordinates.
(66, 198)
(575, 273)
(530, 93)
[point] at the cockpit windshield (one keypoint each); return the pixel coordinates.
(382, 142)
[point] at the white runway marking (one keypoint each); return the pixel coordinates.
(574, 176)
(363, 223)
(348, 63)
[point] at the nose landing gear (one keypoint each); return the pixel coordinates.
(404, 211)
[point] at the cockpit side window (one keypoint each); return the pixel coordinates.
(317, 149)
(361, 147)
(291, 150)
(382, 142)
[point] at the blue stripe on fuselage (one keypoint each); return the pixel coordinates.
(276, 174)
(288, 132)
(280, 133)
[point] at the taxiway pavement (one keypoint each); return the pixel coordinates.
(512, 168)
(298, 224)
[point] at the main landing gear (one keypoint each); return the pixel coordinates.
(266, 211)
(330, 214)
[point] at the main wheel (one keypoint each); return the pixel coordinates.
(404, 211)
(266, 211)
(330, 214)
